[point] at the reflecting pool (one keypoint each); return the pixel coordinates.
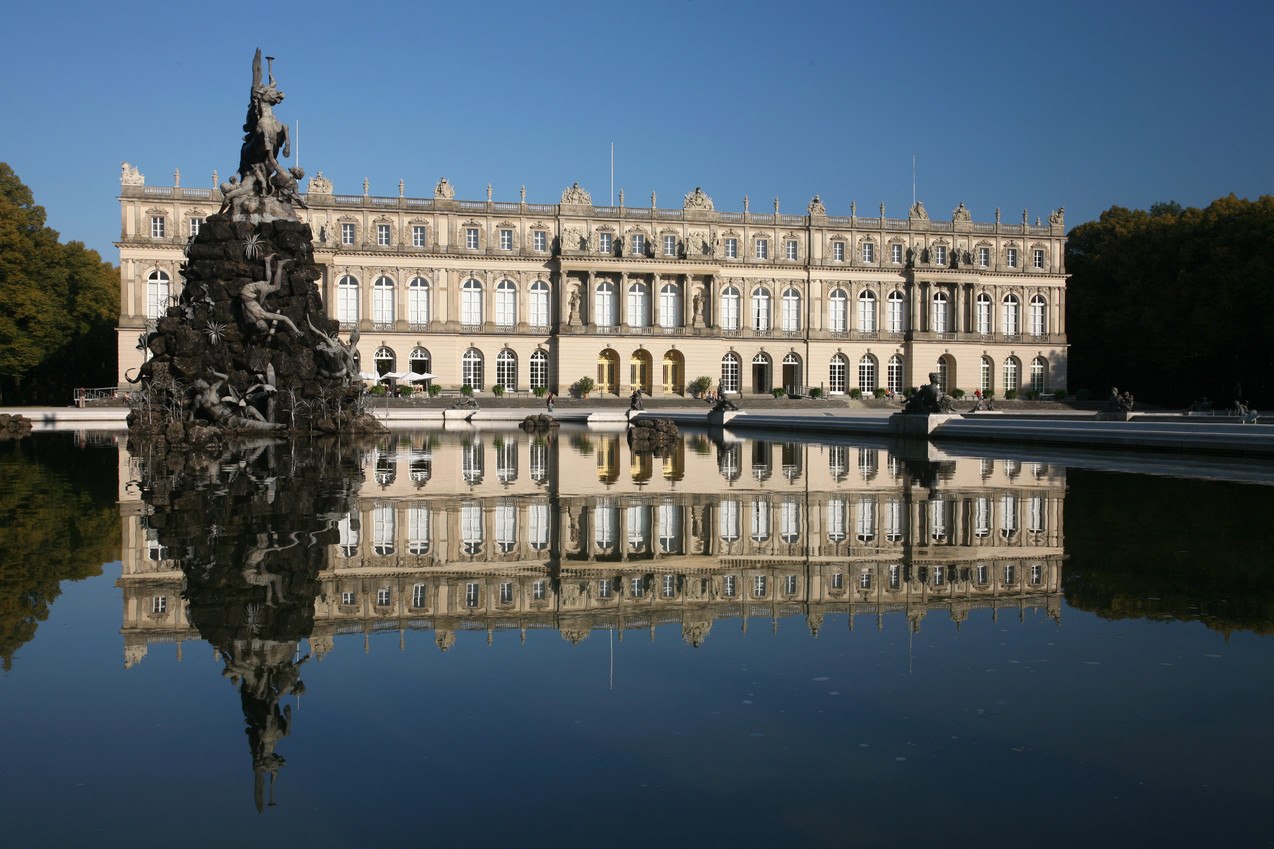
(490, 636)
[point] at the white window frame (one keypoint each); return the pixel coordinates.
(349, 233)
(792, 250)
(383, 300)
(472, 240)
(790, 316)
(731, 248)
(538, 304)
(383, 235)
(506, 239)
(761, 318)
(540, 240)
(347, 299)
(539, 365)
(867, 311)
(158, 226)
(670, 245)
(838, 251)
(418, 301)
(419, 236)
(471, 295)
(895, 310)
(761, 248)
(730, 308)
(506, 304)
(869, 252)
(837, 310)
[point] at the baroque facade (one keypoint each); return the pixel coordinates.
(529, 295)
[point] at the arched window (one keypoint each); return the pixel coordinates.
(471, 368)
(730, 369)
(506, 303)
(604, 306)
(608, 372)
(985, 380)
(791, 317)
(945, 374)
(639, 368)
(940, 312)
(893, 374)
(867, 312)
(730, 308)
(867, 374)
(156, 294)
(1039, 374)
(419, 360)
(1039, 316)
(670, 305)
(638, 305)
(384, 359)
(418, 301)
(760, 308)
(983, 314)
(1012, 315)
(347, 300)
(539, 369)
(506, 369)
(837, 309)
(674, 373)
(836, 374)
(538, 309)
(895, 312)
(471, 303)
(382, 301)
(1010, 375)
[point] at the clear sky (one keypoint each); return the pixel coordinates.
(1017, 104)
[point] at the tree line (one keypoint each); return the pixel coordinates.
(59, 303)
(1174, 304)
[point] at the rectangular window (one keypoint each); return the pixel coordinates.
(541, 240)
(603, 588)
(471, 595)
(984, 257)
(157, 226)
(838, 251)
(670, 245)
(347, 234)
(838, 580)
(382, 596)
(348, 598)
(895, 254)
(159, 604)
(869, 251)
(639, 244)
(727, 586)
(506, 240)
(418, 595)
(940, 255)
(539, 590)
(1010, 257)
(731, 248)
(762, 248)
(418, 239)
(1037, 259)
(791, 249)
(506, 592)
(604, 245)
(382, 235)
(195, 224)
(471, 238)
(864, 580)
(760, 586)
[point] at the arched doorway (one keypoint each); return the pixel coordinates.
(762, 373)
(674, 373)
(608, 372)
(946, 373)
(639, 370)
(384, 359)
(793, 374)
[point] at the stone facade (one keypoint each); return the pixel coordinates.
(544, 294)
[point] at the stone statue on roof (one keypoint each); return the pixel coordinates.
(576, 195)
(697, 200)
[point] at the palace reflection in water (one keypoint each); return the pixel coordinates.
(485, 531)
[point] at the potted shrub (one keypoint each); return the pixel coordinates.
(378, 390)
(466, 391)
(957, 393)
(539, 392)
(777, 392)
(879, 392)
(700, 385)
(406, 391)
(1010, 395)
(584, 386)
(856, 394)
(816, 392)
(497, 390)
(434, 390)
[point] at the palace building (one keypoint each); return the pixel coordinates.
(528, 296)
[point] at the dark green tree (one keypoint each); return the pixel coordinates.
(58, 304)
(1174, 304)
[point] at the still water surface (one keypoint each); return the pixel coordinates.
(495, 638)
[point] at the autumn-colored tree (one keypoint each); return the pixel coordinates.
(1174, 303)
(58, 304)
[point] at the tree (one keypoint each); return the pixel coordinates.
(55, 299)
(1174, 304)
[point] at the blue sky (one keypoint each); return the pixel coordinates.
(1017, 105)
